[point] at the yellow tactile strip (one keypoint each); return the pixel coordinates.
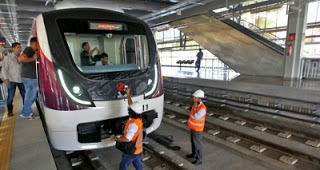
(6, 139)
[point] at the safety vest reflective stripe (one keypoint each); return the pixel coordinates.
(202, 118)
(196, 124)
(139, 148)
(138, 142)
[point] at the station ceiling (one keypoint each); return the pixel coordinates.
(16, 16)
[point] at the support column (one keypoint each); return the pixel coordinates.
(297, 23)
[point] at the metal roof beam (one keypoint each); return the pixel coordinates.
(215, 4)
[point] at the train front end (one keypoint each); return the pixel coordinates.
(82, 102)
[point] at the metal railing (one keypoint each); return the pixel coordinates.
(206, 63)
(262, 32)
(310, 68)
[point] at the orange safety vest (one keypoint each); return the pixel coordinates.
(138, 136)
(197, 125)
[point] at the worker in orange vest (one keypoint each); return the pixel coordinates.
(133, 131)
(196, 124)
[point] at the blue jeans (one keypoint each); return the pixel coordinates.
(31, 87)
(128, 158)
(12, 91)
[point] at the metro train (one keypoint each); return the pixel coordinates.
(82, 105)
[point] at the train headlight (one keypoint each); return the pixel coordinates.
(74, 90)
(152, 85)
(77, 90)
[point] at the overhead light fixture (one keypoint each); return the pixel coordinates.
(290, 3)
(8, 5)
(127, 8)
(1, 12)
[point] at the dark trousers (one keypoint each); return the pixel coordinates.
(196, 144)
(12, 91)
(198, 63)
(127, 159)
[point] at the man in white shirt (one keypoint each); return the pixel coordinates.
(11, 72)
(104, 60)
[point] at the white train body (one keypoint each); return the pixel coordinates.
(80, 101)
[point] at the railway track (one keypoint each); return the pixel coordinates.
(169, 159)
(272, 147)
(304, 112)
(299, 128)
(84, 160)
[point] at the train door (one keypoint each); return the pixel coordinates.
(134, 51)
(129, 51)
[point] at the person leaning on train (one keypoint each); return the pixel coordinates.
(133, 132)
(29, 74)
(196, 124)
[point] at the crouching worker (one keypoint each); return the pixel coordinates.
(132, 136)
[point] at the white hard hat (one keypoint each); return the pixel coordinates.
(199, 94)
(136, 107)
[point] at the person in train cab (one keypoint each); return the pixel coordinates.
(133, 131)
(86, 54)
(196, 124)
(104, 60)
(11, 70)
(28, 73)
(199, 58)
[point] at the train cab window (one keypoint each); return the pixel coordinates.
(126, 47)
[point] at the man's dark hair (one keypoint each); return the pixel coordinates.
(33, 40)
(200, 49)
(84, 44)
(104, 55)
(15, 44)
(133, 114)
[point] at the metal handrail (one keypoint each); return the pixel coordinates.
(206, 63)
(310, 68)
(261, 31)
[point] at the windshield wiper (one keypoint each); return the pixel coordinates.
(114, 78)
(122, 75)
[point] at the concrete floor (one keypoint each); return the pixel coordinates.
(229, 75)
(30, 148)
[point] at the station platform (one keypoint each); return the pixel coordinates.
(305, 90)
(23, 142)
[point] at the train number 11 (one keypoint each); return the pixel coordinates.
(145, 107)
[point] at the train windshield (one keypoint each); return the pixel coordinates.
(105, 46)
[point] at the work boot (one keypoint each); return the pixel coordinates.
(191, 156)
(197, 162)
(10, 113)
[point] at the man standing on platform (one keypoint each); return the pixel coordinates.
(28, 60)
(199, 58)
(11, 70)
(196, 124)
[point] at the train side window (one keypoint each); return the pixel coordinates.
(130, 51)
